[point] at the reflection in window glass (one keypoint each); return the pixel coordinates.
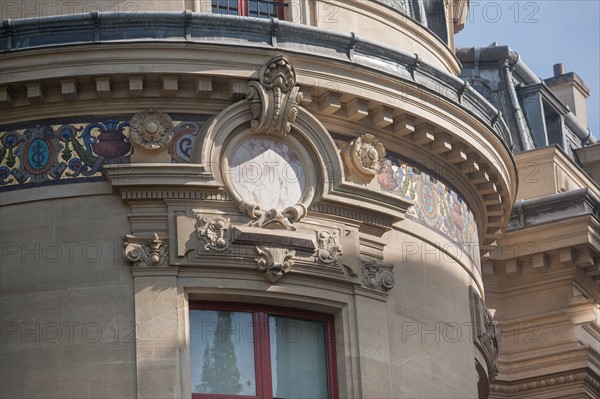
(222, 352)
(263, 8)
(298, 358)
(229, 7)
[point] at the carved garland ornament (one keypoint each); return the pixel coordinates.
(364, 158)
(329, 247)
(264, 217)
(376, 276)
(274, 262)
(214, 231)
(274, 98)
(150, 252)
(151, 129)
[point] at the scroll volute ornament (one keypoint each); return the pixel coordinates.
(364, 158)
(274, 99)
(377, 276)
(146, 252)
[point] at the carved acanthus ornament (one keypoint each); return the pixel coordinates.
(149, 252)
(488, 337)
(364, 158)
(274, 99)
(377, 276)
(151, 129)
(214, 232)
(486, 332)
(274, 262)
(329, 247)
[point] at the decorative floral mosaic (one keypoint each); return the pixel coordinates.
(75, 150)
(437, 206)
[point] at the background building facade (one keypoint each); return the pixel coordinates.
(542, 276)
(243, 197)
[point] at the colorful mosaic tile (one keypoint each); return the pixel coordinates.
(75, 150)
(436, 205)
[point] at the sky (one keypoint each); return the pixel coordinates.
(544, 33)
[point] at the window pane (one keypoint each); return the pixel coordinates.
(298, 358)
(222, 352)
(265, 8)
(225, 7)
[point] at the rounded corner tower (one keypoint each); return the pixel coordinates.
(210, 199)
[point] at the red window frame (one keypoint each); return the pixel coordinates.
(243, 8)
(262, 347)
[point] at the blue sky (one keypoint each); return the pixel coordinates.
(544, 33)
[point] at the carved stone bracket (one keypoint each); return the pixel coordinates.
(485, 332)
(329, 247)
(364, 157)
(214, 232)
(274, 262)
(274, 98)
(146, 252)
(377, 276)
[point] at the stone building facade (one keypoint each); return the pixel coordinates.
(266, 199)
(543, 275)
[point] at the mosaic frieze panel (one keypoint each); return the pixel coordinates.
(437, 206)
(75, 150)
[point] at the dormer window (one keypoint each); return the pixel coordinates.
(250, 8)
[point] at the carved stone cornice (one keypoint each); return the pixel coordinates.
(375, 210)
(147, 252)
(377, 276)
(162, 181)
(584, 377)
(274, 262)
(274, 99)
(468, 117)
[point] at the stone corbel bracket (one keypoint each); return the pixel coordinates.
(274, 261)
(147, 252)
(485, 332)
(276, 250)
(377, 276)
(274, 99)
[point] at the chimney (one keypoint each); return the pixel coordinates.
(559, 69)
(571, 90)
